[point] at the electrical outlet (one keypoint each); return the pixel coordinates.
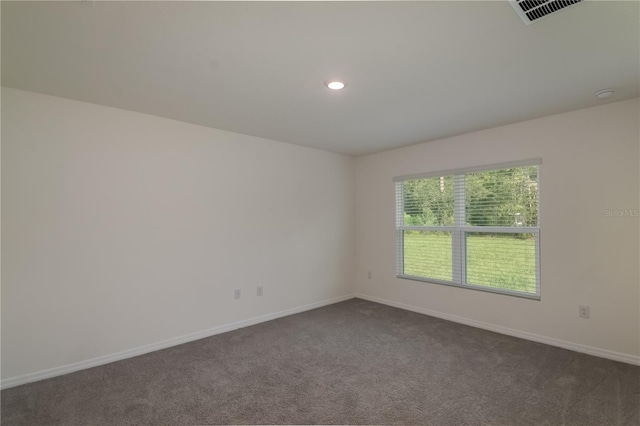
(259, 290)
(369, 274)
(236, 294)
(584, 311)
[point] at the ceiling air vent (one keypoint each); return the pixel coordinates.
(532, 10)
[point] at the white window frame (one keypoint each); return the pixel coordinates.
(459, 230)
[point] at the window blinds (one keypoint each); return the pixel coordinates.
(474, 228)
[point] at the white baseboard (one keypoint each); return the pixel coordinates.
(602, 353)
(129, 353)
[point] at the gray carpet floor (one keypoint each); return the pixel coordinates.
(354, 362)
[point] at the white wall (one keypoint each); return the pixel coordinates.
(589, 165)
(122, 229)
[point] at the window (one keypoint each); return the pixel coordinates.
(475, 228)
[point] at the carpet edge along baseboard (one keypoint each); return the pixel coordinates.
(141, 350)
(564, 344)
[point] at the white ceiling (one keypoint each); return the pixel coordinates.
(416, 71)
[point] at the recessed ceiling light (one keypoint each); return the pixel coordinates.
(603, 94)
(335, 84)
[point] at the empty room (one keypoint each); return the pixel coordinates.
(419, 213)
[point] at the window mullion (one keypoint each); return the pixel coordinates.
(458, 253)
(399, 230)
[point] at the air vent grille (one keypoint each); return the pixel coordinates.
(532, 10)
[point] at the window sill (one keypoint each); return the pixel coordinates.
(473, 287)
